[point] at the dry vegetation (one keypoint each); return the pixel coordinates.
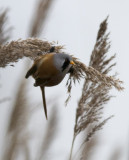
(95, 95)
(95, 92)
(5, 30)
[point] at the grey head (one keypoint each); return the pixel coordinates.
(62, 62)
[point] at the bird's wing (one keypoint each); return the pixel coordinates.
(34, 67)
(44, 100)
(31, 71)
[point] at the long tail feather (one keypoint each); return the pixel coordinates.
(44, 101)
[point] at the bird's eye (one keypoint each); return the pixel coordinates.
(66, 63)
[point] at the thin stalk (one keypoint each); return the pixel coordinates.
(71, 151)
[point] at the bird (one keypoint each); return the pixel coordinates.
(49, 70)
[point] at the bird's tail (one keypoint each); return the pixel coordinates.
(44, 100)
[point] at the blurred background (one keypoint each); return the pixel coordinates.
(73, 24)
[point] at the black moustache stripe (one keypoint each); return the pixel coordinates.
(65, 65)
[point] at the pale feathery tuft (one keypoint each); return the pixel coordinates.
(96, 87)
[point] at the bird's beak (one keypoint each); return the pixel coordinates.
(72, 62)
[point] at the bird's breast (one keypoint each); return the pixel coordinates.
(55, 80)
(46, 68)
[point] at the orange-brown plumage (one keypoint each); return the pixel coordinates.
(49, 70)
(46, 68)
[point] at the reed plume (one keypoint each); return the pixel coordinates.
(94, 95)
(89, 148)
(18, 134)
(40, 16)
(15, 50)
(5, 32)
